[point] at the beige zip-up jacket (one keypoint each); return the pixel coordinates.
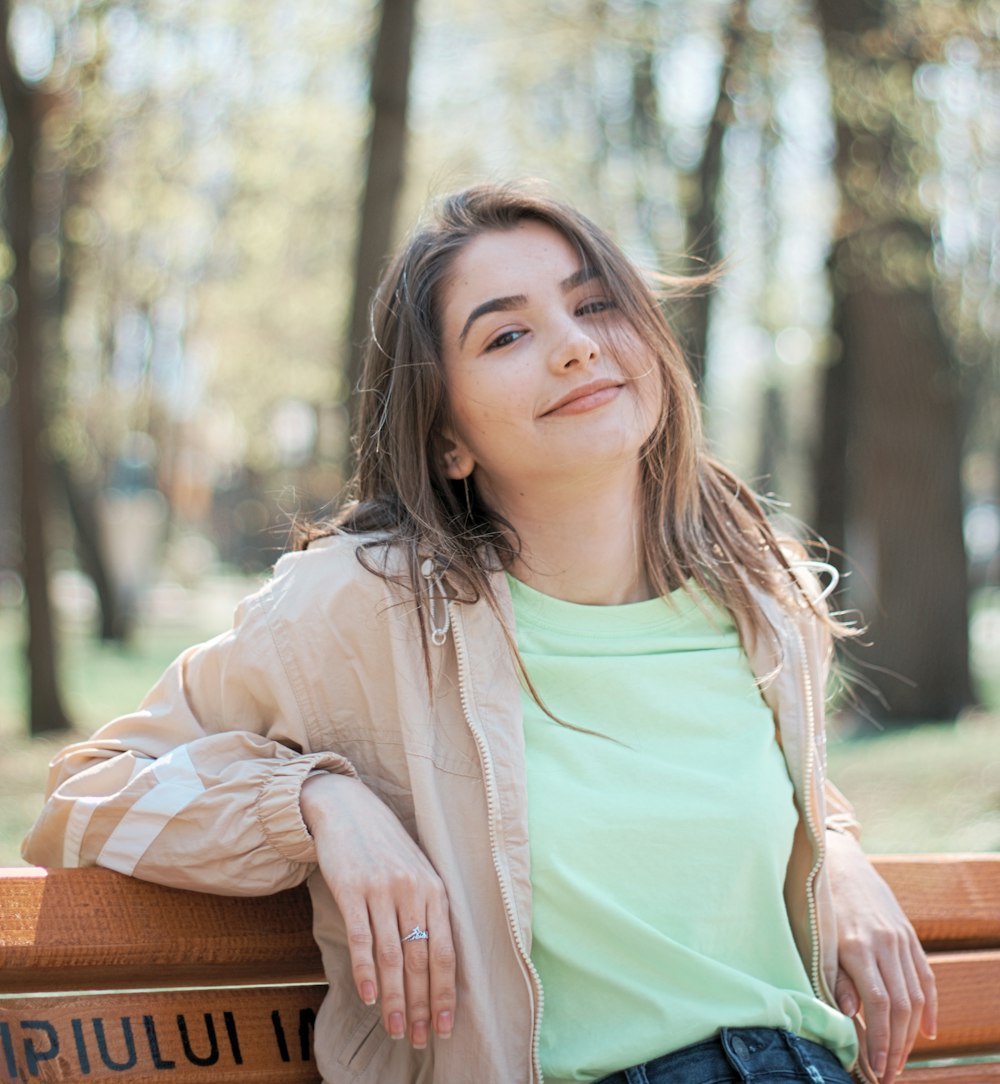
(323, 671)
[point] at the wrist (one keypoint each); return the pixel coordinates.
(316, 793)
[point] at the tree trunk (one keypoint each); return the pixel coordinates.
(115, 620)
(45, 710)
(703, 219)
(889, 469)
(904, 526)
(830, 473)
(390, 75)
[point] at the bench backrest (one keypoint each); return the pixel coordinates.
(103, 977)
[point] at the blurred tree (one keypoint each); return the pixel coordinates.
(889, 473)
(386, 152)
(704, 212)
(211, 162)
(25, 111)
(215, 155)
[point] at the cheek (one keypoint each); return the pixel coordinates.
(482, 403)
(472, 414)
(644, 370)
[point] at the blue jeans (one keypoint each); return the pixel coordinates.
(740, 1056)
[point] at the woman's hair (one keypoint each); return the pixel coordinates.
(700, 524)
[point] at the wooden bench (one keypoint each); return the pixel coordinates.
(106, 978)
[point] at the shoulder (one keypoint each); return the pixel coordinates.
(334, 572)
(795, 586)
(793, 603)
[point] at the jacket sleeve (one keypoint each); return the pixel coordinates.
(199, 788)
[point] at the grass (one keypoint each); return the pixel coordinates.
(934, 787)
(926, 788)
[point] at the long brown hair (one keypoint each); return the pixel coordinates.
(700, 523)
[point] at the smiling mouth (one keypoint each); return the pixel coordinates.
(585, 398)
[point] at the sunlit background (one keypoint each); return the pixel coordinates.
(198, 176)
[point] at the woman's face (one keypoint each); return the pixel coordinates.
(546, 380)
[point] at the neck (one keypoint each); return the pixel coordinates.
(583, 547)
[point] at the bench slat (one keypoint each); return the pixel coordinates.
(91, 928)
(951, 899)
(981, 1073)
(968, 989)
(251, 1035)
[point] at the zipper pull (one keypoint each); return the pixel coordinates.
(437, 603)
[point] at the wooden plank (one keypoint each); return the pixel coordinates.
(75, 929)
(953, 900)
(979, 1073)
(969, 1013)
(93, 929)
(251, 1035)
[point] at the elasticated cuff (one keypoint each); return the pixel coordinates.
(278, 809)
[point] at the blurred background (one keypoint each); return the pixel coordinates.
(198, 195)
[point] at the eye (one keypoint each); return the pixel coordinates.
(505, 338)
(595, 306)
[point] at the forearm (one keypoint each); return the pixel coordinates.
(219, 814)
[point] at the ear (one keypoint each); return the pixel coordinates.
(458, 461)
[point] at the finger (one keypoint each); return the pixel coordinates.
(928, 985)
(389, 961)
(875, 1000)
(900, 1010)
(416, 981)
(846, 994)
(442, 966)
(360, 943)
(917, 1002)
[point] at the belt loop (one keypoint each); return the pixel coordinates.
(636, 1075)
(800, 1053)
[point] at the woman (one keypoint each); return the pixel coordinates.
(542, 709)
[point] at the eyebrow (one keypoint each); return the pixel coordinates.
(517, 301)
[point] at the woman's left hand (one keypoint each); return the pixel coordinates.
(883, 969)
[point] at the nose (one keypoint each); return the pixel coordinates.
(575, 348)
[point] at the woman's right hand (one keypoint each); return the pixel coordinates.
(385, 886)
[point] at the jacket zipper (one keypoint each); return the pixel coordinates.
(819, 983)
(490, 779)
(818, 980)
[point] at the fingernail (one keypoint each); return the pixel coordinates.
(444, 1025)
(396, 1025)
(880, 1062)
(368, 993)
(418, 1040)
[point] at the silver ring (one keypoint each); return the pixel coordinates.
(416, 934)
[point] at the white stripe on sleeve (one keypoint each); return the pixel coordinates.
(76, 825)
(79, 820)
(178, 784)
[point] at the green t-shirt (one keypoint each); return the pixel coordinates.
(657, 859)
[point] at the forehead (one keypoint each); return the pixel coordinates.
(503, 263)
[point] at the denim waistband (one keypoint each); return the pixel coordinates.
(740, 1056)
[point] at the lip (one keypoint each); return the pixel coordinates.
(584, 392)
